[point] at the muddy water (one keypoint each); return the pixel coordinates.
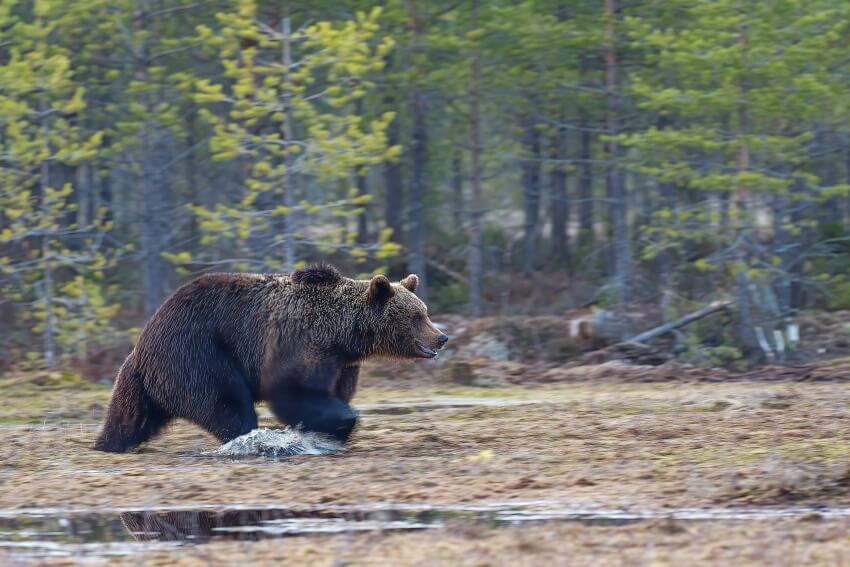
(34, 534)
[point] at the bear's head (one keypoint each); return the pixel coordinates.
(372, 317)
(400, 320)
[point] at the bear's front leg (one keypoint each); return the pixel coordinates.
(346, 383)
(319, 412)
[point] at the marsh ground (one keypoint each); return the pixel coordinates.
(635, 446)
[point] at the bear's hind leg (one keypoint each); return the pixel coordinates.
(213, 393)
(132, 418)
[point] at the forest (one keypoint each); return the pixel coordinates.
(522, 157)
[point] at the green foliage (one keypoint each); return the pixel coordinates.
(40, 106)
(837, 293)
(721, 356)
(451, 297)
(184, 128)
(290, 98)
(737, 92)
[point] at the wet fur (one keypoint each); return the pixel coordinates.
(222, 342)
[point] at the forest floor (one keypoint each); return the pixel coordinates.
(590, 454)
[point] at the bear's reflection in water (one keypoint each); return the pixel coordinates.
(200, 526)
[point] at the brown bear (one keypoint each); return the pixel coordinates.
(224, 341)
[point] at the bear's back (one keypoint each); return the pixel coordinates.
(217, 311)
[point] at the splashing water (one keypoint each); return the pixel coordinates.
(276, 443)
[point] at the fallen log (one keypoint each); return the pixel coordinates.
(709, 309)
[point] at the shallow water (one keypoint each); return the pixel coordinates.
(79, 533)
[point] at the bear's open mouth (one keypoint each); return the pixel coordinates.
(425, 351)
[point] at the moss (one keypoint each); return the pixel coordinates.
(813, 450)
(50, 397)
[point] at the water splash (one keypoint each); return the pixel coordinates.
(277, 443)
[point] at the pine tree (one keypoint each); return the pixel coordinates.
(290, 97)
(51, 267)
(739, 87)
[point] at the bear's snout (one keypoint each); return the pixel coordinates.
(442, 340)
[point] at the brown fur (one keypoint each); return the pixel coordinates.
(224, 341)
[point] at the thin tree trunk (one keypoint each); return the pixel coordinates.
(155, 206)
(46, 255)
(191, 178)
(586, 236)
(796, 218)
(83, 189)
(393, 185)
(474, 261)
(742, 164)
(660, 330)
(105, 193)
(362, 184)
(418, 183)
(363, 216)
(846, 177)
(531, 194)
(614, 178)
(559, 201)
(289, 158)
(153, 223)
(664, 276)
(49, 315)
(781, 245)
(458, 200)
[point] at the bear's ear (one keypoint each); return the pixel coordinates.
(380, 290)
(411, 282)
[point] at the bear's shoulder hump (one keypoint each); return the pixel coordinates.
(317, 274)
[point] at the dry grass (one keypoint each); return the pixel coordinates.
(606, 444)
(658, 444)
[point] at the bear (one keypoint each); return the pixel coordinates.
(223, 341)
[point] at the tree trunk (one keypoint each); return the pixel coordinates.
(155, 211)
(531, 194)
(192, 179)
(289, 161)
(362, 184)
(586, 235)
(782, 249)
(614, 175)
(559, 202)
(154, 220)
(705, 311)
(105, 193)
(46, 254)
(746, 331)
(83, 189)
(796, 218)
(363, 216)
(393, 185)
(49, 315)
(418, 170)
(458, 201)
(474, 260)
